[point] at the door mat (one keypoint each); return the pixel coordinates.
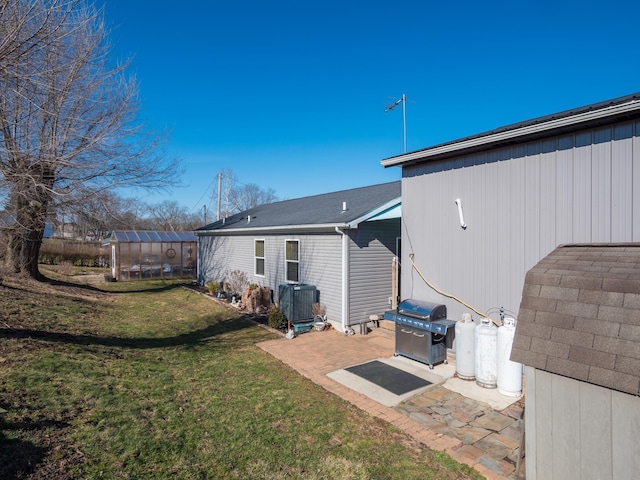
(390, 378)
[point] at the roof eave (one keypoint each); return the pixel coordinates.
(275, 228)
(386, 206)
(491, 139)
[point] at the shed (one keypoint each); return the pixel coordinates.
(578, 335)
(138, 254)
(344, 243)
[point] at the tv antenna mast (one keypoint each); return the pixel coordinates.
(402, 100)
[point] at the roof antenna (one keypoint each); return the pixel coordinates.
(402, 100)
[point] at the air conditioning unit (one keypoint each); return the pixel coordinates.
(296, 302)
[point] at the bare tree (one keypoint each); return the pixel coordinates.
(251, 195)
(235, 196)
(67, 120)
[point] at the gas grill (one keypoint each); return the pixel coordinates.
(422, 331)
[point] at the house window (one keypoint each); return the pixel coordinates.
(292, 251)
(259, 256)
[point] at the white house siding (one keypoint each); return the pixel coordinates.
(371, 250)
(571, 423)
(320, 262)
(519, 203)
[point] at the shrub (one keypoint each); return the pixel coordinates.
(237, 281)
(277, 319)
(211, 286)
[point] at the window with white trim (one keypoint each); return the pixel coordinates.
(259, 257)
(292, 260)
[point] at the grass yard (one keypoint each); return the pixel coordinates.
(151, 380)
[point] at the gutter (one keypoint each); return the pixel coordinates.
(275, 228)
(345, 279)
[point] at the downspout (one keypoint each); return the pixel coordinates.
(345, 278)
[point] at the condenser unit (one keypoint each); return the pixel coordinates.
(296, 302)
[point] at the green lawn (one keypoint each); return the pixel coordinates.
(151, 380)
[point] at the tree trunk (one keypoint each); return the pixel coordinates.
(23, 252)
(25, 237)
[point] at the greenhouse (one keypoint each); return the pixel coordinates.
(141, 254)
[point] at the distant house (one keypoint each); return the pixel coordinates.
(343, 243)
(578, 336)
(142, 254)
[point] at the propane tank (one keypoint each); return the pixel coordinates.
(486, 335)
(465, 348)
(509, 373)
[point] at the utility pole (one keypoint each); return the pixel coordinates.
(204, 207)
(402, 100)
(219, 193)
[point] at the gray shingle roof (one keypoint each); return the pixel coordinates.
(317, 210)
(580, 315)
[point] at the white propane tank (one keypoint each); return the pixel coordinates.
(465, 348)
(486, 336)
(509, 373)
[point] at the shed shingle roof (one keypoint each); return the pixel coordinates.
(580, 315)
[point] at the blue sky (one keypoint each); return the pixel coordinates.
(291, 95)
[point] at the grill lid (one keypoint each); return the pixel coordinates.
(423, 310)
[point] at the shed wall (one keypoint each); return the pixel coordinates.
(519, 203)
(579, 430)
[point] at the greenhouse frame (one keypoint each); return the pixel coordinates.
(142, 254)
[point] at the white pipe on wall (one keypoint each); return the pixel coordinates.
(345, 279)
(459, 204)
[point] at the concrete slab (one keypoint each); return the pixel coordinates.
(442, 374)
(471, 389)
(379, 394)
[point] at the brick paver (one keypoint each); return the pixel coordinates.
(438, 418)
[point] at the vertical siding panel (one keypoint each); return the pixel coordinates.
(461, 240)
(564, 190)
(595, 432)
(622, 177)
(515, 272)
(544, 426)
(501, 230)
(566, 427)
(530, 416)
(480, 239)
(532, 194)
(492, 224)
(625, 421)
(601, 186)
(582, 187)
(548, 206)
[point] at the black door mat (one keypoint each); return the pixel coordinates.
(390, 378)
